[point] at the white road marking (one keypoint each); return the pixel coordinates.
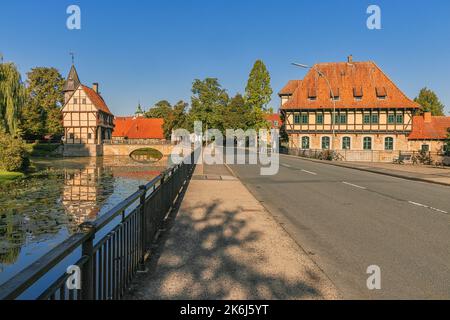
(286, 165)
(354, 185)
(428, 207)
(310, 172)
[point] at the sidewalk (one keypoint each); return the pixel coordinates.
(224, 245)
(437, 175)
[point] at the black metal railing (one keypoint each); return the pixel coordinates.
(109, 264)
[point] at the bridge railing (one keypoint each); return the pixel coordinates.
(138, 141)
(125, 235)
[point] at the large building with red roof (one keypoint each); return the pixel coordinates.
(347, 105)
(138, 128)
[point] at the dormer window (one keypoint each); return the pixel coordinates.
(334, 94)
(381, 92)
(312, 94)
(358, 93)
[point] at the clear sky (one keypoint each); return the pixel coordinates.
(152, 50)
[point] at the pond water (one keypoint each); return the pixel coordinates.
(39, 213)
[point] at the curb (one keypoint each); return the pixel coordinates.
(371, 170)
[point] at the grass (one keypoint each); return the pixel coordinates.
(6, 176)
(150, 152)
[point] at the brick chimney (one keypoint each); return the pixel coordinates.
(95, 87)
(427, 117)
(350, 59)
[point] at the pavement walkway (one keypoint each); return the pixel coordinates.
(223, 244)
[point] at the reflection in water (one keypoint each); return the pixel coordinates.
(38, 213)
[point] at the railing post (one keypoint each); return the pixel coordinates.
(143, 229)
(87, 271)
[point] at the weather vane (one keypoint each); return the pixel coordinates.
(73, 57)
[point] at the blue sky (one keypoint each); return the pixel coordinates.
(152, 50)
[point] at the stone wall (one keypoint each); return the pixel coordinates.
(83, 150)
(127, 149)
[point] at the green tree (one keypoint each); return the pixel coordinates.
(160, 110)
(235, 115)
(430, 102)
(258, 94)
(176, 119)
(44, 99)
(13, 153)
(12, 94)
(207, 103)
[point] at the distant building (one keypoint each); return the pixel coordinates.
(87, 119)
(274, 120)
(372, 113)
(138, 128)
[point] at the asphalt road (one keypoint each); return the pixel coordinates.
(348, 220)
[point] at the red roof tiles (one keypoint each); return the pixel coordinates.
(96, 99)
(138, 128)
(434, 129)
(358, 84)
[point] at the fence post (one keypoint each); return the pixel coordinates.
(143, 229)
(87, 271)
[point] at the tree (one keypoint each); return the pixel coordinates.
(447, 143)
(235, 115)
(13, 153)
(207, 103)
(430, 102)
(160, 110)
(176, 119)
(258, 94)
(12, 94)
(44, 99)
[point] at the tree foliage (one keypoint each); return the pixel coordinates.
(430, 102)
(258, 94)
(207, 103)
(13, 153)
(160, 110)
(44, 98)
(12, 95)
(236, 114)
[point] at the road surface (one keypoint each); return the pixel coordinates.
(348, 220)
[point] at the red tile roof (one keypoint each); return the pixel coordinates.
(274, 117)
(349, 80)
(96, 99)
(435, 129)
(290, 87)
(138, 128)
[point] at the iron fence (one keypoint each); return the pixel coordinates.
(108, 265)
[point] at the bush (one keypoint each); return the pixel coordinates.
(13, 154)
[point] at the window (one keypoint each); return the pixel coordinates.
(341, 119)
(89, 136)
(325, 143)
(305, 143)
(389, 143)
(425, 148)
(275, 123)
(391, 119)
(319, 118)
(346, 143)
(296, 119)
(75, 101)
(83, 101)
(70, 135)
(400, 119)
(375, 118)
(367, 119)
(304, 118)
(367, 143)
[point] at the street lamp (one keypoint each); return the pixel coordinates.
(320, 73)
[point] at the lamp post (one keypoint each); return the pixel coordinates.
(320, 73)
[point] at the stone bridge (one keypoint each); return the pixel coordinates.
(113, 149)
